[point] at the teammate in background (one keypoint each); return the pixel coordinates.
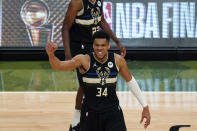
(100, 109)
(82, 20)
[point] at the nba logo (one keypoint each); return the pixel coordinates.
(107, 11)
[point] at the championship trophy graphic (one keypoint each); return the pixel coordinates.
(35, 15)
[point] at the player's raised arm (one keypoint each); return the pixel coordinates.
(56, 64)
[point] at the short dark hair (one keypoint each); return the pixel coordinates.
(101, 34)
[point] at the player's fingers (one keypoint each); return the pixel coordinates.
(147, 122)
(141, 119)
(47, 47)
(48, 50)
(124, 52)
(52, 44)
(55, 46)
(146, 125)
(49, 43)
(51, 47)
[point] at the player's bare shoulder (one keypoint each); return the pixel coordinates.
(82, 60)
(120, 61)
(77, 4)
(76, 1)
(118, 58)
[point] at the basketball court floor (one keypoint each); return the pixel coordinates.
(35, 98)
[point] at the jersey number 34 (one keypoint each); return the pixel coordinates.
(101, 92)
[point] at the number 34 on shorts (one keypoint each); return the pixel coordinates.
(101, 92)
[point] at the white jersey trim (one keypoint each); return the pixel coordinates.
(98, 80)
(86, 22)
(81, 11)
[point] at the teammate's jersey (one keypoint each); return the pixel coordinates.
(87, 22)
(99, 84)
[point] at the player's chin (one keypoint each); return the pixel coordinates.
(100, 56)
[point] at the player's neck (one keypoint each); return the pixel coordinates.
(92, 1)
(103, 59)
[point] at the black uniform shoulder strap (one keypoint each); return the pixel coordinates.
(91, 58)
(111, 56)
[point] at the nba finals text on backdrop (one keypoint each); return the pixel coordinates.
(159, 19)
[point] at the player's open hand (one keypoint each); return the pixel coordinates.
(51, 47)
(146, 115)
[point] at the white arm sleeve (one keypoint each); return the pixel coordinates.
(76, 118)
(133, 85)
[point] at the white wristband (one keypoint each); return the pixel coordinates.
(76, 118)
(133, 85)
